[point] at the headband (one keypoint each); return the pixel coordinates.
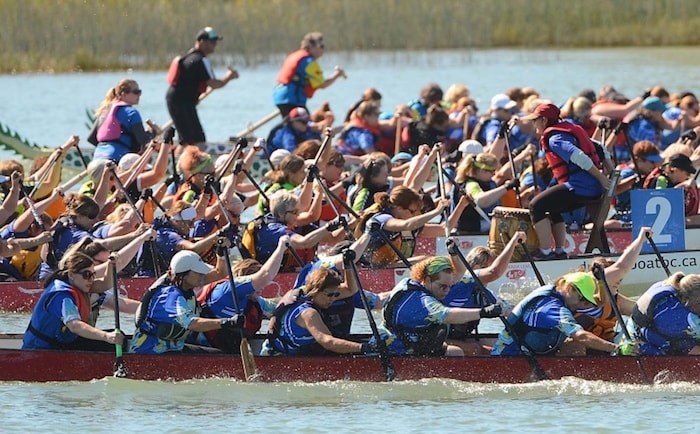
(198, 168)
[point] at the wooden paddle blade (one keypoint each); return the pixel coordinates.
(249, 369)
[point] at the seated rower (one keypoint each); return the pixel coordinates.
(338, 316)
(465, 293)
(415, 320)
(61, 317)
(600, 319)
(297, 326)
(399, 215)
(216, 300)
(168, 310)
(666, 318)
(544, 320)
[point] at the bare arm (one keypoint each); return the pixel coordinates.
(87, 331)
(617, 271)
(25, 220)
(413, 223)
(594, 342)
(458, 315)
(271, 267)
(500, 264)
(9, 205)
(311, 321)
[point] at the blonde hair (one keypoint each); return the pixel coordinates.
(468, 166)
(479, 256)
(113, 94)
(688, 286)
(281, 202)
(455, 92)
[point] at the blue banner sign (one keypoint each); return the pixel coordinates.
(664, 211)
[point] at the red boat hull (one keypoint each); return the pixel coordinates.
(41, 366)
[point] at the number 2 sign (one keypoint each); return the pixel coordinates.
(664, 211)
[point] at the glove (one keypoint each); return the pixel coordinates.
(513, 183)
(147, 194)
(646, 94)
(336, 224)
(604, 123)
(689, 136)
(626, 349)
(348, 255)
(237, 167)
(452, 248)
(235, 322)
(491, 311)
(168, 135)
(368, 348)
(503, 130)
(621, 127)
(311, 172)
(210, 183)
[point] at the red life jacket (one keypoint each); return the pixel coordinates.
(560, 169)
(110, 129)
(288, 72)
(174, 72)
(82, 301)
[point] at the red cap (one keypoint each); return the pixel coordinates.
(549, 111)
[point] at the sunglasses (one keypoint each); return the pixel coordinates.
(334, 294)
(87, 274)
(136, 91)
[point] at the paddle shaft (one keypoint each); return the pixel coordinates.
(74, 180)
(376, 228)
(139, 215)
(443, 193)
(331, 199)
(540, 280)
(119, 366)
(387, 366)
(54, 160)
(658, 254)
(240, 145)
(513, 172)
(254, 126)
(247, 357)
(461, 191)
(537, 370)
(599, 273)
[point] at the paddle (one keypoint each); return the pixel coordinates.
(247, 357)
(540, 280)
(254, 126)
(397, 136)
(119, 366)
(111, 167)
(376, 227)
(599, 273)
(240, 146)
(387, 366)
(658, 254)
(54, 159)
(313, 170)
(443, 193)
(73, 181)
(537, 371)
(238, 168)
(513, 172)
(463, 192)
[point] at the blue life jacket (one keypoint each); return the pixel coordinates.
(535, 339)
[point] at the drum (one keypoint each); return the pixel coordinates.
(507, 221)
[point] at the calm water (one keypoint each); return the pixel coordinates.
(47, 109)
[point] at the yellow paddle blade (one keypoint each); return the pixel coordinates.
(249, 369)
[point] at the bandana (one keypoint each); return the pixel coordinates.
(438, 264)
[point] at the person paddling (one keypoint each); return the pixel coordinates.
(168, 311)
(61, 317)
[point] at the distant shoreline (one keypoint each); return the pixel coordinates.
(110, 35)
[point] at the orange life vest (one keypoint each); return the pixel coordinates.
(288, 72)
(560, 169)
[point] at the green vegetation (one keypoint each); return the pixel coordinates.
(65, 35)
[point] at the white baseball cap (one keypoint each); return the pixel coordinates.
(277, 156)
(128, 160)
(502, 101)
(187, 260)
(471, 147)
